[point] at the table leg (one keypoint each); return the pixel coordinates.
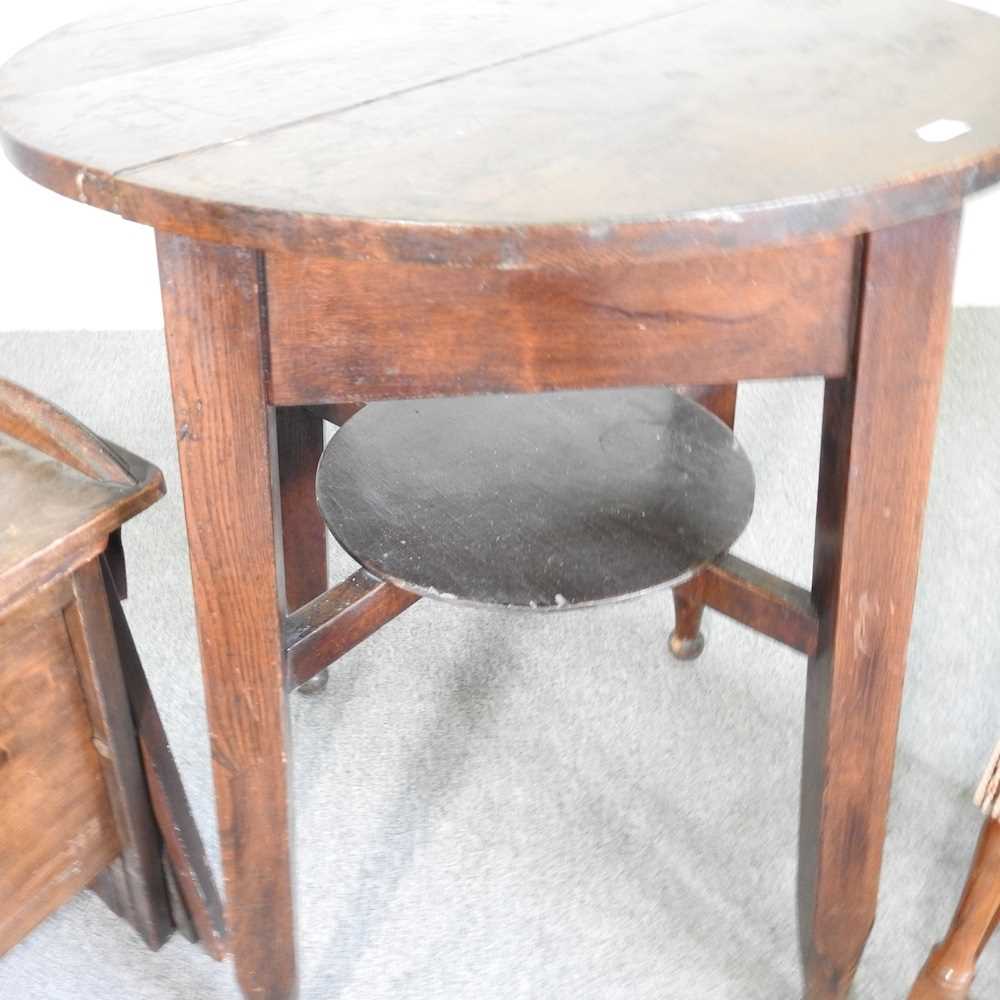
(687, 640)
(878, 436)
(227, 446)
(300, 447)
(951, 967)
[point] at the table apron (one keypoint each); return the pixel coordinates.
(348, 330)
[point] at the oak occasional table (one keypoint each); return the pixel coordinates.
(359, 202)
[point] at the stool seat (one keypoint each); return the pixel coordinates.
(547, 501)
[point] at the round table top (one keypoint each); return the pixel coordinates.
(513, 133)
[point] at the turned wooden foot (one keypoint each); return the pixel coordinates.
(951, 966)
(687, 641)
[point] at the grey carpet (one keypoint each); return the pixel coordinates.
(501, 807)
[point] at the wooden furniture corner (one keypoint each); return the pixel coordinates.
(89, 792)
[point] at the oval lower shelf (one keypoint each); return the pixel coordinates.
(548, 501)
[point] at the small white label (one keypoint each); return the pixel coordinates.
(943, 130)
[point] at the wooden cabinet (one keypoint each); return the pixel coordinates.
(89, 794)
(57, 829)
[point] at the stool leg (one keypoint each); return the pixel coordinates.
(951, 966)
(212, 305)
(687, 640)
(878, 436)
(300, 447)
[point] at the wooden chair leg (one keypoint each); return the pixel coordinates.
(687, 640)
(212, 299)
(300, 447)
(951, 966)
(878, 436)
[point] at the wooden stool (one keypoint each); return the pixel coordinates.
(951, 966)
(89, 792)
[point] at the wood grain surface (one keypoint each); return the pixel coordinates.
(53, 518)
(188, 875)
(300, 447)
(57, 830)
(52, 431)
(763, 601)
(338, 620)
(92, 636)
(512, 134)
(358, 330)
(227, 444)
(875, 463)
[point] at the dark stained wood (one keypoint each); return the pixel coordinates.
(114, 556)
(186, 862)
(179, 913)
(53, 518)
(57, 831)
(512, 134)
(326, 628)
(212, 298)
(765, 602)
(878, 437)
(336, 413)
(718, 319)
(300, 447)
(951, 966)
(687, 641)
(717, 399)
(92, 636)
(111, 887)
(547, 501)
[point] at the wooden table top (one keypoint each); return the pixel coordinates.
(513, 133)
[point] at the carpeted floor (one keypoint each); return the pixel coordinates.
(509, 807)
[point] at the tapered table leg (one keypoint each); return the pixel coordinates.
(212, 299)
(878, 435)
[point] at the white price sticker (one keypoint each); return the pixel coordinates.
(943, 130)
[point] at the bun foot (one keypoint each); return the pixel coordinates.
(315, 685)
(937, 983)
(687, 649)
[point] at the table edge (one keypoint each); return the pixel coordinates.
(513, 246)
